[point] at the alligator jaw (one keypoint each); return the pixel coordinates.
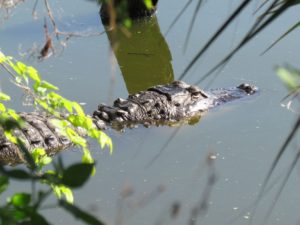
(224, 95)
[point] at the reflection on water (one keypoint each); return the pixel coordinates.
(142, 54)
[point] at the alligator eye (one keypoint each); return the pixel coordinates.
(199, 94)
(149, 113)
(193, 89)
(196, 94)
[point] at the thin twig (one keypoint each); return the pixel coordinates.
(34, 9)
(49, 11)
(44, 53)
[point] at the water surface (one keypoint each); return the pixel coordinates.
(168, 165)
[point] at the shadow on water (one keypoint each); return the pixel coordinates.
(142, 53)
(144, 59)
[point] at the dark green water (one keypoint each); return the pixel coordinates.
(244, 137)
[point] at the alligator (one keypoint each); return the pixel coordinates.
(159, 105)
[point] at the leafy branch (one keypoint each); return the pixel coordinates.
(24, 208)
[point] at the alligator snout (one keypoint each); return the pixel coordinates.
(248, 88)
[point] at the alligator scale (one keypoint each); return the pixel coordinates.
(162, 104)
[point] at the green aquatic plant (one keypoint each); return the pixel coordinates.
(290, 77)
(25, 207)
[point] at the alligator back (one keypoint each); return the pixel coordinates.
(173, 102)
(162, 104)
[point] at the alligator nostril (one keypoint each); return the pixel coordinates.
(248, 88)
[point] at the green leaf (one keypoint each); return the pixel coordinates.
(19, 214)
(51, 177)
(17, 174)
(105, 140)
(40, 157)
(15, 116)
(4, 97)
(80, 214)
(8, 126)
(56, 190)
(3, 183)
(36, 219)
(2, 108)
(87, 158)
(76, 120)
(60, 124)
(78, 109)
(48, 86)
(37, 153)
(61, 190)
(2, 57)
(39, 90)
(33, 74)
(67, 192)
(68, 106)
(289, 76)
(148, 4)
(75, 138)
(76, 175)
(20, 199)
(22, 67)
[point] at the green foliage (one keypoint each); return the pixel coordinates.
(4, 182)
(20, 200)
(40, 158)
(79, 214)
(77, 174)
(148, 4)
(18, 174)
(289, 76)
(24, 208)
(53, 103)
(296, 25)
(62, 191)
